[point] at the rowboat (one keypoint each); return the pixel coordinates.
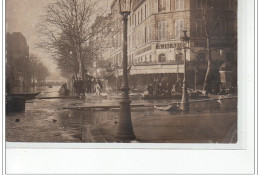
(169, 107)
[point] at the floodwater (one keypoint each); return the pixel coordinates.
(46, 120)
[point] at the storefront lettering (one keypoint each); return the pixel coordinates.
(168, 46)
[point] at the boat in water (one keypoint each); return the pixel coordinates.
(168, 107)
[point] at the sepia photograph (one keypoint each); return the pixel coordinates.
(121, 71)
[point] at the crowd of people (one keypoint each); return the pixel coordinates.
(90, 85)
(162, 87)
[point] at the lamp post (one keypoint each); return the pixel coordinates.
(195, 81)
(185, 99)
(125, 129)
(177, 54)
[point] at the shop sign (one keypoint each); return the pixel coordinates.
(168, 46)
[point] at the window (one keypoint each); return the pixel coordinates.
(135, 19)
(150, 35)
(178, 59)
(138, 16)
(201, 56)
(197, 28)
(179, 4)
(145, 34)
(133, 40)
(222, 28)
(145, 11)
(141, 15)
(179, 26)
(129, 41)
(230, 4)
(230, 25)
(149, 8)
(162, 30)
(161, 5)
(162, 58)
(198, 4)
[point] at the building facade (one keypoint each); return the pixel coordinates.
(17, 57)
(154, 30)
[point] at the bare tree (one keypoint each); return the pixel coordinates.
(66, 29)
(210, 14)
(36, 69)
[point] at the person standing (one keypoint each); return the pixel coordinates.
(97, 88)
(93, 85)
(100, 83)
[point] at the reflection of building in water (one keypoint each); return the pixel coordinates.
(17, 56)
(154, 30)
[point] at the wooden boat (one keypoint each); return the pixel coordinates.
(169, 107)
(50, 86)
(26, 95)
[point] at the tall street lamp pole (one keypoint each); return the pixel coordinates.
(125, 129)
(185, 99)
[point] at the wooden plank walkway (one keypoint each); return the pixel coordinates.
(41, 98)
(141, 105)
(104, 106)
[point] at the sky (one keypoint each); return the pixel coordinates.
(22, 16)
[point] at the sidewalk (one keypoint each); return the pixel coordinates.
(188, 128)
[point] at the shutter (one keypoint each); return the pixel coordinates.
(177, 4)
(156, 6)
(164, 30)
(193, 28)
(159, 30)
(168, 5)
(181, 25)
(177, 29)
(182, 4)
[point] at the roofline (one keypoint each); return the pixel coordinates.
(134, 8)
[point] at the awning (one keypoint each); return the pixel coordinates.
(156, 69)
(153, 69)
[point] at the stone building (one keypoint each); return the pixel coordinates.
(154, 30)
(17, 56)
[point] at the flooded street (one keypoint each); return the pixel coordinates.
(46, 120)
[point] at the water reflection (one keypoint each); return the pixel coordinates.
(87, 122)
(206, 121)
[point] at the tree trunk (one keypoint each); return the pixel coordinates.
(80, 62)
(207, 77)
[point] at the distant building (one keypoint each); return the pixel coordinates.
(17, 54)
(154, 30)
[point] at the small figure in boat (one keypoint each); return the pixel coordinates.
(64, 90)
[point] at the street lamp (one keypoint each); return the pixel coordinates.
(125, 129)
(185, 100)
(177, 54)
